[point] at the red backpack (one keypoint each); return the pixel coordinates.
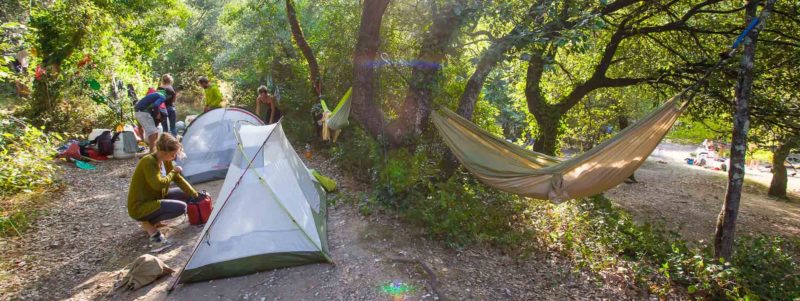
(199, 209)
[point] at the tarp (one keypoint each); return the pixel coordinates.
(508, 167)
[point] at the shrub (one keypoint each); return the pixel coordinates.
(461, 212)
(26, 153)
(600, 237)
(355, 153)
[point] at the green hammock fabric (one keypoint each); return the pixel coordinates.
(339, 116)
(327, 183)
(508, 167)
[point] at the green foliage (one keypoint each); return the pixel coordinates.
(460, 212)
(604, 239)
(75, 41)
(591, 232)
(26, 152)
(691, 131)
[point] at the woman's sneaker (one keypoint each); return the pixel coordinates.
(159, 239)
(159, 242)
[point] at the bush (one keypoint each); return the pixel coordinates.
(355, 153)
(460, 212)
(26, 153)
(602, 238)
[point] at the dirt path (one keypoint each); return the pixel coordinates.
(688, 198)
(76, 250)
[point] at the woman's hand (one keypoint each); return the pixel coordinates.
(177, 169)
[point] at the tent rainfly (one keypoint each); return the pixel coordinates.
(270, 213)
(209, 143)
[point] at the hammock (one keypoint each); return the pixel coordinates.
(510, 168)
(337, 119)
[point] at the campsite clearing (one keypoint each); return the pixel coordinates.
(68, 256)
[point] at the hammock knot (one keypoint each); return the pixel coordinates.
(557, 193)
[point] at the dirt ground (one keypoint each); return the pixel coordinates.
(80, 247)
(688, 198)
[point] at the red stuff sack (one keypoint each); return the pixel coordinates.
(199, 209)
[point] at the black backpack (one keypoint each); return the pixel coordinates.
(105, 144)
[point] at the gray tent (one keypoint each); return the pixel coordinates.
(270, 212)
(209, 143)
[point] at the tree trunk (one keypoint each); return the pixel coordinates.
(364, 95)
(726, 222)
(426, 73)
(777, 187)
(299, 38)
(548, 120)
(623, 121)
(548, 117)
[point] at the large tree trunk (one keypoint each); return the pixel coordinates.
(548, 117)
(777, 187)
(426, 73)
(726, 222)
(299, 38)
(364, 95)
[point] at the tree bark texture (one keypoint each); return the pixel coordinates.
(364, 95)
(726, 222)
(547, 116)
(308, 53)
(426, 73)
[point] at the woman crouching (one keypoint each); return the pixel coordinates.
(150, 200)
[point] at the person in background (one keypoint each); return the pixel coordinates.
(167, 110)
(172, 114)
(144, 115)
(265, 103)
(150, 198)
(213, 97)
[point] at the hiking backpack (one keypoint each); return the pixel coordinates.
(105, 144)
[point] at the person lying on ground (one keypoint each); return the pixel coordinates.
(144, 114)
(150, 200)
(213, 97)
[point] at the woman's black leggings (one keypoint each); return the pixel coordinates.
(174, 205)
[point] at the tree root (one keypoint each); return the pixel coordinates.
(433, 280)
